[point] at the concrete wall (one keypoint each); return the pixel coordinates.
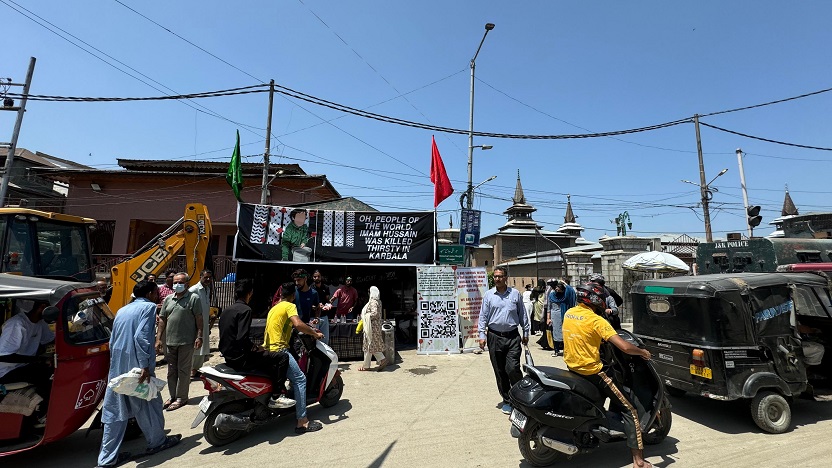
(616, 251)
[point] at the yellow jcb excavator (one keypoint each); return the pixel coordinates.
(191, 235)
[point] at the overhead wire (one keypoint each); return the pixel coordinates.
(764, 139)
(39, 20)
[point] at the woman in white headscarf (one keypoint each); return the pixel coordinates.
(373, 341)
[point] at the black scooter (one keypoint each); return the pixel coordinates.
(558, 414)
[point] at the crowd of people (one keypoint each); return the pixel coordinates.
(572, 321)
(173, 320)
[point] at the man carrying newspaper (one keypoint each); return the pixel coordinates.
(132, 346)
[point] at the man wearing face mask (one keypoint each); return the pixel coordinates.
(180, 329)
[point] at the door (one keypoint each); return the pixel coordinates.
(773, 312)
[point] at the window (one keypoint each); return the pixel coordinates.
(825, 300)
(20, 256)
(88, 319)
(807, 303)
(64, 250)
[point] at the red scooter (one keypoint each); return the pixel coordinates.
(237, 402)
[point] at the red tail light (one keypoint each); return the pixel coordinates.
(210, 385)
(698, 358)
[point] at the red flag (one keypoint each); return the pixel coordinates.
(442, 188)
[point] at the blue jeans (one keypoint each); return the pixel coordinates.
(150, 419)
(323, 325)
(298, 381)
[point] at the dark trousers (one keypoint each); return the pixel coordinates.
(274, 363)
(619, 402)
(505, 359)
(180, 361)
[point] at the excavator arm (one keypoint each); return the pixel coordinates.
(191, 235)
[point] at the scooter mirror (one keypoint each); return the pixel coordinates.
(50, 314)
(529, 358)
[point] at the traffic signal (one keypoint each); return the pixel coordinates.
(754, 217)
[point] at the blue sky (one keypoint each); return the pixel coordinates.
(548, 68)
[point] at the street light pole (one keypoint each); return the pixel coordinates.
(703, 187)
(470, 190)
(744, 190)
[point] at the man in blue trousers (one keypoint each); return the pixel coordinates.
(132, 346)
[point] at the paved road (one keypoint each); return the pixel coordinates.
(442, 411)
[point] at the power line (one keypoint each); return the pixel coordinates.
(764, 139)
(189, 42)
(813, 93)
(49, 27)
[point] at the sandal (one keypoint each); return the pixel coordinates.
(169, 442)
(122, 458)
(312, 426)
(176, 405)
(382, 365)
(167, 403)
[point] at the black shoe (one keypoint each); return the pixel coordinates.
(312, 426)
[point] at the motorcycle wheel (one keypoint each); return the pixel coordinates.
(660, 428)
(771, 412)
(533, 449)
(333, 394)
(217, 436)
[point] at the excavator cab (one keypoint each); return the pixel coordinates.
(44, 244)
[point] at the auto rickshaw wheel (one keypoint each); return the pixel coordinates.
(771, 412)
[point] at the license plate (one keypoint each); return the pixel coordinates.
(701, 371)
(518, 419)
(204, 404)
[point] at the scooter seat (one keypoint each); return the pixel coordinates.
(226, 371)
(576, 383)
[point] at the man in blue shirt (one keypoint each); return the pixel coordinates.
(501, 313)
(306, 297)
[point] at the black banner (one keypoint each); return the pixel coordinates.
(283, 234)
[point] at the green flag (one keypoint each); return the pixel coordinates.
(234, 177)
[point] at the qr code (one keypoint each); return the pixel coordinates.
(437, 319)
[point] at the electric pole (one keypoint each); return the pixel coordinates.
(4, 185)
(264, 190)
(703, 186)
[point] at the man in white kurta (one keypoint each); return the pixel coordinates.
(203, 290)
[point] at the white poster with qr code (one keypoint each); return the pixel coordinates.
(438, 324)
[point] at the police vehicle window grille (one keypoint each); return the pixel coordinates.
(807, 303)
(808, 257)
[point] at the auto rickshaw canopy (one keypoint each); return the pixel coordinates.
(718, 310)
(32, 288)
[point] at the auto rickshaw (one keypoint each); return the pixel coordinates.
(79, 356)
(760, 337)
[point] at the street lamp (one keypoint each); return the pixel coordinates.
(565, 267)
(470, 190)
(465, 194)
(707, 194)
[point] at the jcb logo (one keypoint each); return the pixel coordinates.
(156, 258)
(200, 221)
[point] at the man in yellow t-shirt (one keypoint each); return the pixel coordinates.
(282, 317)
(583, 331)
